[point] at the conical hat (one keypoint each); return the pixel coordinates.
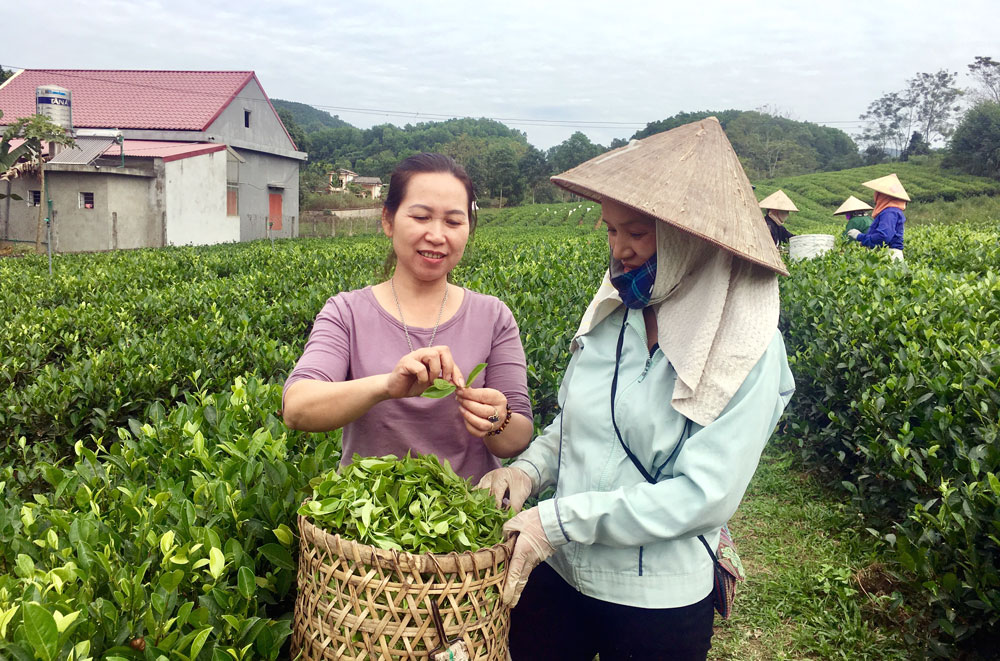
(852, 204)
(889, 184)
(688, 177)
(778, 201)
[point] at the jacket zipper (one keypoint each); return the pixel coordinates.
(645, 370)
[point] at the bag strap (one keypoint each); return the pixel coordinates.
(631, 455)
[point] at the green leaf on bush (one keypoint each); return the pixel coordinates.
(171, 579)
(284, 534)
(278, 555)
(246, 582)
(216, 562)
(41, 631)
(199, 642)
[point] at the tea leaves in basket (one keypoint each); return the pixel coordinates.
(414, 504)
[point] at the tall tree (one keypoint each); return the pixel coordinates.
(975, 145)
(768, 146)
(572, 151)
(5, 74)
(534, 169)
(928, 105)
(888, 121)
(935, 103)
(501, 170)
(986, 71)
(916, 147)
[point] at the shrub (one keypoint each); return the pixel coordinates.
(975, 145)
(897, 369)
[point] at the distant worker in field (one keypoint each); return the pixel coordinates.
(856, 213)
(888, 219)
(776, 208)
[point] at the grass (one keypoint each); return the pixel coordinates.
(816, 588)
(979, 209)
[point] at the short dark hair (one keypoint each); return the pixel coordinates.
(399, 180)
(423, 164)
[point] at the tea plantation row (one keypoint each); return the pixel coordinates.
(151, 501)
(148, 490)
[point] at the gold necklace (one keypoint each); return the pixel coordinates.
(406, 331)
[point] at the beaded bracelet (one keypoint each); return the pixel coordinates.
(503, 425)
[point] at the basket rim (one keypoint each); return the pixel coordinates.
(454, 561)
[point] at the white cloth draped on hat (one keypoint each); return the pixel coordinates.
(715, 316)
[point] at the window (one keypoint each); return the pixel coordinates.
(86, 200)
(34, 198)
(246, 118)
(232, 200)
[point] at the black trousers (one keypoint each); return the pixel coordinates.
(555, 621)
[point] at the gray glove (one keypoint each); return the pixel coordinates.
(854, 233)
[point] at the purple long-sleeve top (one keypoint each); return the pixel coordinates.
(885, 230)
(354, 337)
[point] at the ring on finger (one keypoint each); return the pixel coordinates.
(495, 418)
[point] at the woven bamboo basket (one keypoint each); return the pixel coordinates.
(357, 601)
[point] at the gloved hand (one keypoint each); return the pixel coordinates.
(854, 233)
(512, 482)
(530, 548)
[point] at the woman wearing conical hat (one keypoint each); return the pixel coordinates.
(776, 208)
(888, 219)
(676, 380)
(856, 213)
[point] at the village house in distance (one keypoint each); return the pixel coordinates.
(370, 186)
(162, 158)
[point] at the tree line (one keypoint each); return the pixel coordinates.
(928, 110)
(506, 169)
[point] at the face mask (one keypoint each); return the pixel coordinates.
(635, 286)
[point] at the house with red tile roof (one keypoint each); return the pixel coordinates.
(162, 158)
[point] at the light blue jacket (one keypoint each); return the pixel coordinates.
(623, 539)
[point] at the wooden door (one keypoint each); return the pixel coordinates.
(274, 211)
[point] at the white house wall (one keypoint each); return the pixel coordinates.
(195, 192)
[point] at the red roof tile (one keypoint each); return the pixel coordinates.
(179, 100)
(168, 151)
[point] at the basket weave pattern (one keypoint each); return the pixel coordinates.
(356, 601)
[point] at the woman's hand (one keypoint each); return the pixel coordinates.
(416, 371)
(478, 405)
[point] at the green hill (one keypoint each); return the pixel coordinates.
(818, 195)
(938, 196)
(773, 146)
(309, 118)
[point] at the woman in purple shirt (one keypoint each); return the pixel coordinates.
(373, 351)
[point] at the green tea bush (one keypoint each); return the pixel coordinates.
(898, 375)
(168, 538)
(108, 335)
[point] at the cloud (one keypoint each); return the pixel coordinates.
(624, 61)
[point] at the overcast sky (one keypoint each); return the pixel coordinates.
(546, 68)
